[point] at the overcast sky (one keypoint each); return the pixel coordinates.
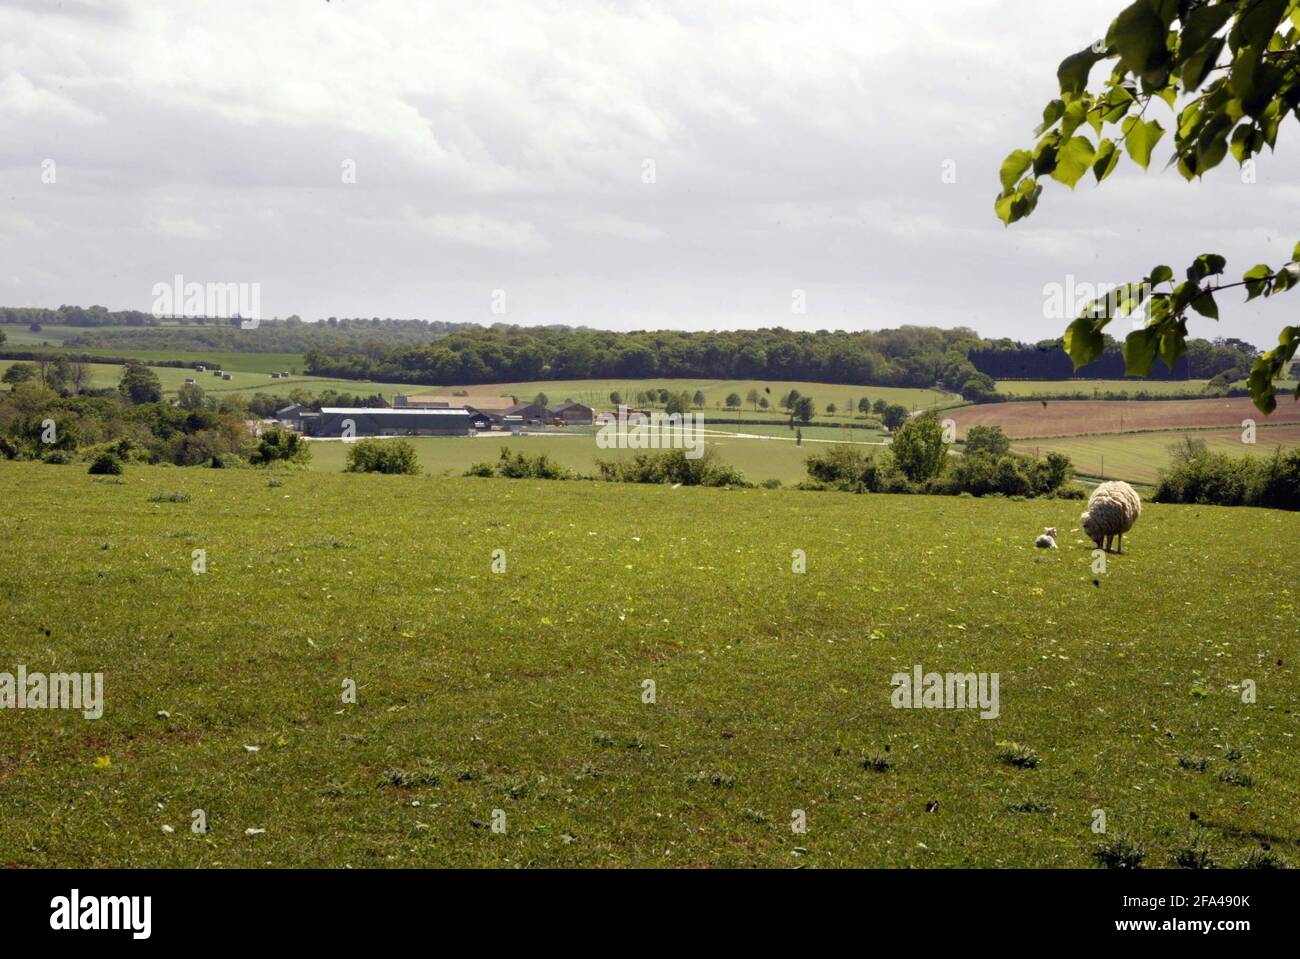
(507, 145)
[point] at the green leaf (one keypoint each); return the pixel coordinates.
(1138, 34)
(1256, 279)
(1199, 64)
(1295, 256)
(1257, 23)
(1200, 26)
(1084, 342)
(1014, 167)
(1073, 161)
(1173, 344)
(1161, 274)
(1140, 351)
(1106, 160)
(1051, 113)
(1205, 305)
(1073, 71)
(1207, 264)
(1140, 138)
(1045, 154)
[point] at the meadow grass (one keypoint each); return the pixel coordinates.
(1099, 387)
(523, 691)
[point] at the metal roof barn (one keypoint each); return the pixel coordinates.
(366, 421)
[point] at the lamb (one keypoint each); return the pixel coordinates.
(1113, 508)
(1048, 539)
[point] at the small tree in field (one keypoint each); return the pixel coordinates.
(698, 399)
(733, 401)
(831, 408)
(919, 449)
(864, 406)
(382, 456)
(616, 398)
(987, 439)
(752, 398)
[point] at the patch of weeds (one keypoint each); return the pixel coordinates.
(877, 763)
(1195, 765)
(1237, 777)
(275, 482)
(1018, 755)
(411, 778)
(603, 739)
(468, 776)
(174, 497)
(1030, 806)
(1263, 859)
(1193, 856)
(327, 542)
(588, 771)
(753, 815)
(1232, 754)
(1119, 853)
(719, 780)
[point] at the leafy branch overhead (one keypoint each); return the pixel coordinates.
(1235, 67)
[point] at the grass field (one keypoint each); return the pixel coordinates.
(1082, 417)
(523, 691)
(595, 393)
(1140, 457)
(778, 458)
(1072, 387)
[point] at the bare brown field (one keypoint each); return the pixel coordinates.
(1082, 417)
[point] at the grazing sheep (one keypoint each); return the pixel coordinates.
(1113, 508)
(1048, 539)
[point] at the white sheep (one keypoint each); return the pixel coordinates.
(1113, 508)
(1048, 539)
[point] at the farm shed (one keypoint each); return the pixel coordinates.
(529, 412)
(389, 422)
(573, 414)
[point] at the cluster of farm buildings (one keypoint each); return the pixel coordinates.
(408, 417)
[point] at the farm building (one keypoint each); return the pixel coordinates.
(333, 420)
(291, 416)
(529, 413)
(573, 414)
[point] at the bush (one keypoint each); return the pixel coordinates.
(278, 445)
(520, 465)
(1216, 479)
(382, 456)
(105, 464)
(671, 466)
(480, 469)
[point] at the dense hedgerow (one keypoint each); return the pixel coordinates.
(1218, 479)
(671, 466)
(521, 466)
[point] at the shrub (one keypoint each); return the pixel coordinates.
(987, 439)
(520, 465)
(1119, 853)
(177, 497)
(278, 445)
(382, 456)
(105, 464)
(670, 466)
(480, 469)
(919, 449)
(1216, 479)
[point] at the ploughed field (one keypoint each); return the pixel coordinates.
(1083, 417)
(520, 693)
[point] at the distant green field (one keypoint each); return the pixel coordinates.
(1156, 388)
(595, 393)
(1140, 457)
(452, 455)
(521, 694)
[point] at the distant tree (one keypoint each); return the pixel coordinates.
(191, 397)
(616, 398)
(763, 402)
(919, 449)
(79, 376)
(541, 400)
(733, 401)
(879, 407)
(2, 336)
(752, 398)
(677, 403)
(18, 373)
(139, 384)
(831, 408)
(893, 415)
(663, 395)
(1186, 450)
(699, 399)
(864, 405)
(987, 439)
(804, 409)
(280, 446)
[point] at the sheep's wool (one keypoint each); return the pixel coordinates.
(1113, 508)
